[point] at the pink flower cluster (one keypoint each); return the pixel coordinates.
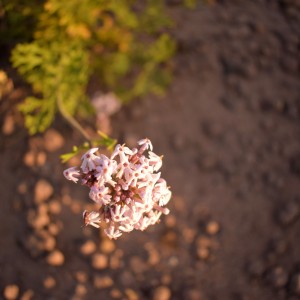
(127, 186)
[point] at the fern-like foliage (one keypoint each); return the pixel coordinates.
(56, 72)
(121, 42)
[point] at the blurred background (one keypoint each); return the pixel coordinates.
(214, 85)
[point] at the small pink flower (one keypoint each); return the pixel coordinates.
(72, 174)
(112, 233)
(90, 160)
(117, 213)
(146, 144)
(91, 218)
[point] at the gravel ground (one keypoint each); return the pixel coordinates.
(229, 130)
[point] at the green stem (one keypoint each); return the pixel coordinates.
(72, 121)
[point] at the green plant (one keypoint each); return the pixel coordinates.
(121, 42)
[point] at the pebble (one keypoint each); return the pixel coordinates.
(8, 125)
(81, 276)
(193, 294)
(107, 246)
(102, 282)
(53, 229)
(55, 207)
(22, 188)
(115, 294)
(88, 248)
(53, 140)
(162, 293)
(80, 290)
(40, 221)
(29, 159)
(131, 294)
(28, 295)
(41, 158)
(99, 261)
(212, 227)
(42, 191)
(56, 258)
(170, 221)
(153, 254)
(203, 253)
(11, 292)
(277, 277)
(49, 282)
(115, 259)
(49, 243)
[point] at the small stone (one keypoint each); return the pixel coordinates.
(170, 221)
(102, 282)
(80, 290)
(203, 253)
(115, 294)
(49, 243)
(49, 282)
(153, 254)
(81, 276)
(162, 293)
(8, 125)
(107, 246)
(11, 292)
(28, 295)
(41, 158)
(115, 259)
(40, 221)
(22, 188)
(212, 227)
(203, 241)
(42, 191)
(131, 294)
(55, 207)
(53, 140)
(193, 294)
(99, 261)
(189, 234)
(56, 258)
(29, 159)
(53, 229)
(88, 248)
(277, 277)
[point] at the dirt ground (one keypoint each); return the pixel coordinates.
(229, 130)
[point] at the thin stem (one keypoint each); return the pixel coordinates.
(72, 121)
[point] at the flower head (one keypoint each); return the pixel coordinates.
(127, 186)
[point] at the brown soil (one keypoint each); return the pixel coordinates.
(229, 130)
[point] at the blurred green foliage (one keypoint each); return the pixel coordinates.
(123, 43)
